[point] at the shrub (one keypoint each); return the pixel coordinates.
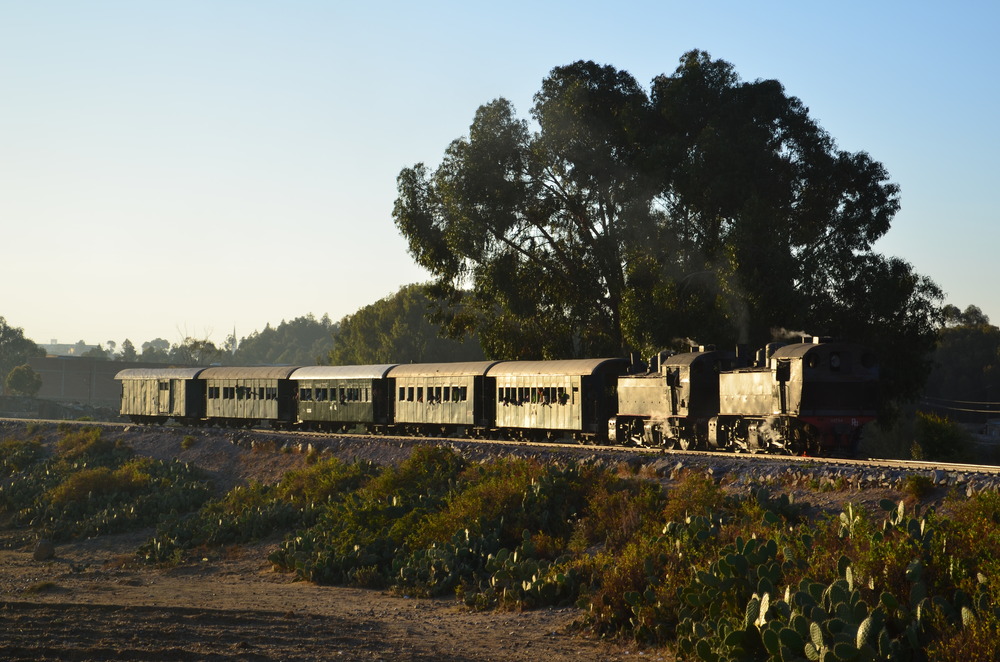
(17, 455)
(693, 494)
(88, 444)
(99, 482)
(937, 438)
(917, 486)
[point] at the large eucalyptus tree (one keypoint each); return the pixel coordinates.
(708, 208)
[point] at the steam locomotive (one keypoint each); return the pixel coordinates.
(811, 397)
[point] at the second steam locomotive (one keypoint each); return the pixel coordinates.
(811, 398)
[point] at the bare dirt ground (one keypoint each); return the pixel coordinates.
(93, 601)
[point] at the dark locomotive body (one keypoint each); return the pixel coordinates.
(671, 404)
(811, 398)
(804, 398)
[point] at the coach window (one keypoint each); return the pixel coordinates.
(447, 394)
(420, 394)
(409, 394)
(402, 393)
(305, 395)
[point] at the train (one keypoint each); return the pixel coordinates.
(806, 398)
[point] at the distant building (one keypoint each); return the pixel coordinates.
(55, 348)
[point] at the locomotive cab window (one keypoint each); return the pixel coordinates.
(837, 362)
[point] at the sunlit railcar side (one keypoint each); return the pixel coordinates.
(555, 399)
(245, 397)
(338, 398)
(442, 398)
(155, 395)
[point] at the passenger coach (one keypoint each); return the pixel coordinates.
(442, 398)
(336, 398)
(245, 397)
(555, 398)
(153, 395)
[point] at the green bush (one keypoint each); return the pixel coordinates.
(937, 438)
(18, 455)
(93, 487)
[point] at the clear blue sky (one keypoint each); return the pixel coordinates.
(187, 168)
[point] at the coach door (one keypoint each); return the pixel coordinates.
(165, 396)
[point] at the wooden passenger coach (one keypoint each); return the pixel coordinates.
(247, 396)
(154, 395)
(336, 398)
(434, 398)
(545, 398)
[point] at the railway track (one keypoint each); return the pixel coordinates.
(565, 450)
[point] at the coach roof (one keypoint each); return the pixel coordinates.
(553, 368)
(472, 368)
(343, 371)
(159, 373)
(258, 372)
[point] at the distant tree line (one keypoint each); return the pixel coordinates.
(395, 329)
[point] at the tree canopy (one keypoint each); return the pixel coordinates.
(15, 349)
(396, 330)
(302, 341)
(23, 380)
(964, 383)
(708, 208)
